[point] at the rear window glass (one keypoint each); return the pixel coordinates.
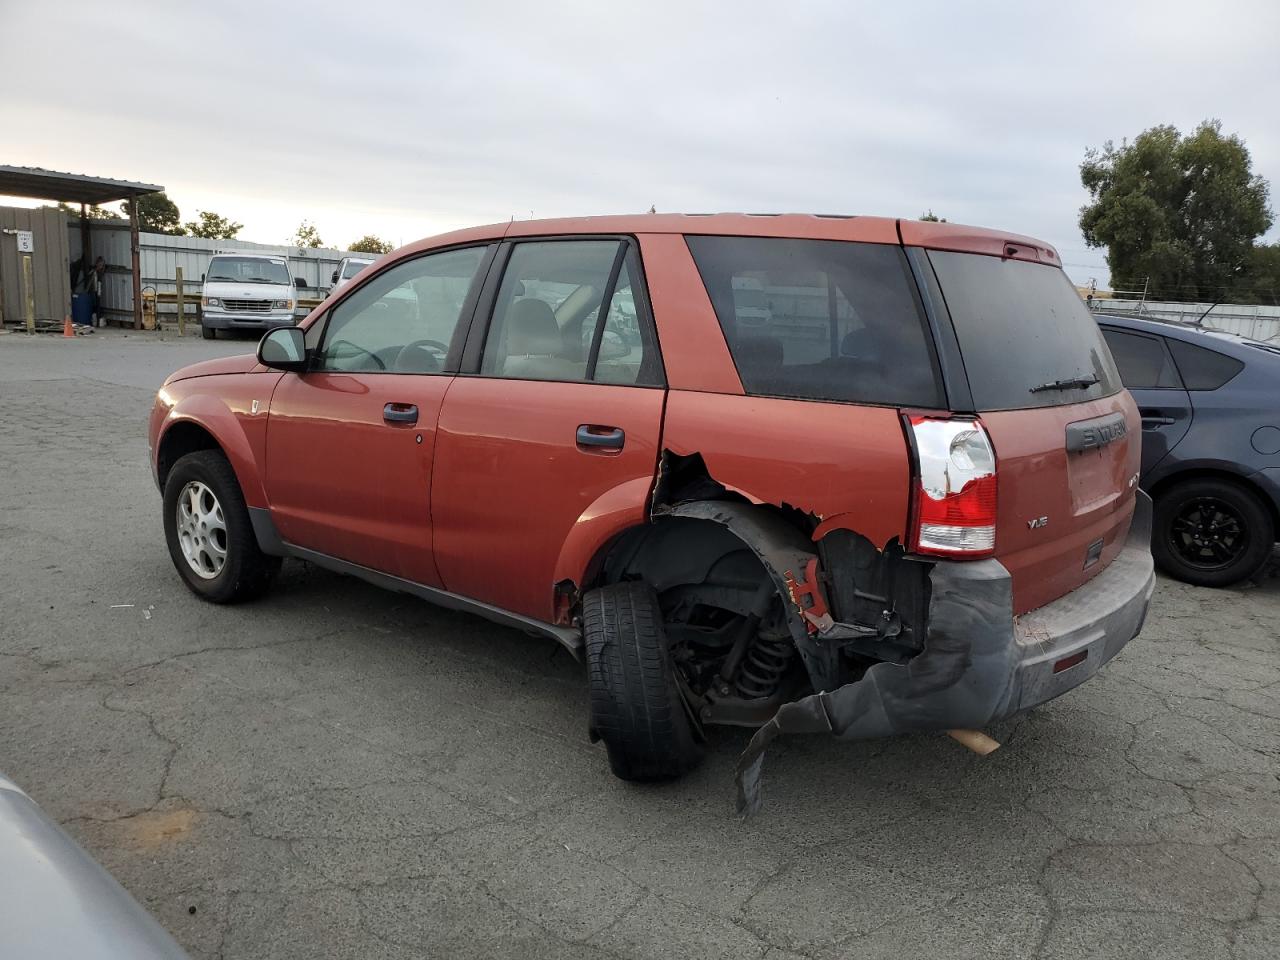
(1202, 368)
(1143, 362)
(820, 319)
(1025, 335)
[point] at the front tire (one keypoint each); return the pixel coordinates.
(208, 332)
(210, 536)
(636, 707)
(1211, 533)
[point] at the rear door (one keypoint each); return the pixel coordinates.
(1150, 375)
(1065, 432)
(559, 404)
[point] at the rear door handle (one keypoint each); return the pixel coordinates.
(400, 413)
(1155, 418)
(597, 437)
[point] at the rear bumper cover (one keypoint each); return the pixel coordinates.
(980, 663)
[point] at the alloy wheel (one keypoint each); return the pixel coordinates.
(1208, 533)
(202, 530)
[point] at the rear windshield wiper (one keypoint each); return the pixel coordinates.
(1070, 384)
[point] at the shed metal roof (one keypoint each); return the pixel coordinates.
(69, 187)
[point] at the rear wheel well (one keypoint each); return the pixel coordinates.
(179, 440)
(1173, 480)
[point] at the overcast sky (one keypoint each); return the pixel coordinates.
(409, 118)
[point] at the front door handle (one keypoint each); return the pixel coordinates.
(400, 413)
(595, 437)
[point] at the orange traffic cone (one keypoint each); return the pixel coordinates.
(66, 327)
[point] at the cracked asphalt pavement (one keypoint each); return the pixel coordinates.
(336, 771)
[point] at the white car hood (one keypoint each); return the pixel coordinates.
(248, 291)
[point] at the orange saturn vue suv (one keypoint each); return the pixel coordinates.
(804, 473)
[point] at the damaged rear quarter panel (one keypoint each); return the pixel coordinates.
(847, 465)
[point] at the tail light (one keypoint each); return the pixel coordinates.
(954, 501)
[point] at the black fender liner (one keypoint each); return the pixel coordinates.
(785, 552)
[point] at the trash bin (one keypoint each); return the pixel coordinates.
(82, 309)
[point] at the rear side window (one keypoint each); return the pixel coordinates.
(1202, 368)
(820, 319)
(566, 310)
(1143, 362)
(1026, 338)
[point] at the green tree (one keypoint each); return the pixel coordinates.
(211, 226)
(307, 235)
(932, 217)
(157, 214)
(1181, 211)
(1260, 280)
(370, 244)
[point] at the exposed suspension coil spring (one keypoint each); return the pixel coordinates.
(764, 666)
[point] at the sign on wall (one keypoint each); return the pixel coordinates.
(26, 241)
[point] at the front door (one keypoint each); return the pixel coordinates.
(351, 442)
(1151, 376)
(563, 408)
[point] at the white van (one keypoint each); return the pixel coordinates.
(347, 268)
(247, 291)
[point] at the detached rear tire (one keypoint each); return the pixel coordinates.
(210, 536)
(636, 708)
(1211, 533)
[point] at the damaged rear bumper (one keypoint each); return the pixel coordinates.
(980, 663)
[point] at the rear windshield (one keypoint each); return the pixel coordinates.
(1026, 338)
(820, 319)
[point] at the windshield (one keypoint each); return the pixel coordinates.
(1026, 337)
(353, 267)
(249, 270)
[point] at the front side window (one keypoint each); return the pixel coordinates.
(403, 320)
(1143, 362)
(352, 267)
(567, 310)
(820, 319)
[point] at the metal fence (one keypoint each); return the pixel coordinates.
(162, 254)
(1251, 320)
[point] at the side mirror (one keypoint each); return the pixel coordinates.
(283, 348)
(334, 278)
(202, 278)
(299, 283)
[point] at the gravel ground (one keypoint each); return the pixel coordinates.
(341, 772)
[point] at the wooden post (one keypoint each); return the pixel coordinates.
(28, 293)
(182, 304)
(135, 250)
(86, 248)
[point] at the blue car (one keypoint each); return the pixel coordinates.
(1210, 406)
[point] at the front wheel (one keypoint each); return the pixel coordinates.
(1212, 533)
(636, 707)
(208, 332)
(210, 536)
